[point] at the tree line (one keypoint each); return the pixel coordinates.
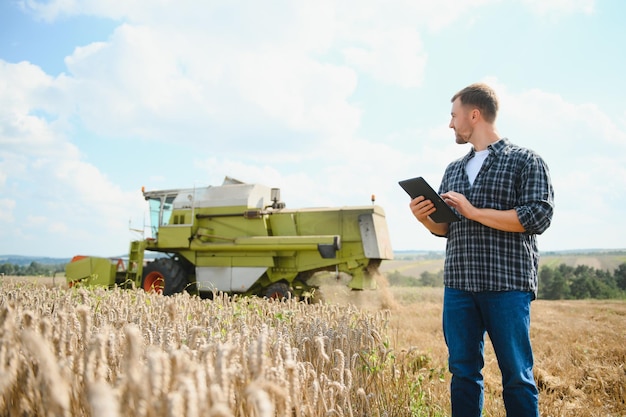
(563, 282)
(33, 269)
(580, 282)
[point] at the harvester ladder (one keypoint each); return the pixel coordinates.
(134, 271)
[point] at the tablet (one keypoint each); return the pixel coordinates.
(418, 186)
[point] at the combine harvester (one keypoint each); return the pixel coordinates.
(240, 238)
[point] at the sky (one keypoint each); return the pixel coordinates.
(330, 101)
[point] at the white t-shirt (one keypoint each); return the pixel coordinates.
(474, 164)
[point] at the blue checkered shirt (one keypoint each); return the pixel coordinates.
(479, 258)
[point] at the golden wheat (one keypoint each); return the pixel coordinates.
(79, 352)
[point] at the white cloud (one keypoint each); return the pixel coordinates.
(59, 228)
(6, 210)
(50, 11)
(559, 7)
(391, 52)
(196, 85)
(36, 221)
(394, 56)
(305, 94)
(33, 109)
(264, 92)
(47, 188)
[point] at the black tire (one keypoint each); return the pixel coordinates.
(164, 275)
(278, 291)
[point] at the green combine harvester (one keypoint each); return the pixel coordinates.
(239, 238)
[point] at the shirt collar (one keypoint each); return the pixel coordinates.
(494, 148)
(498, 146)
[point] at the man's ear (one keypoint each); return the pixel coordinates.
(475, 114)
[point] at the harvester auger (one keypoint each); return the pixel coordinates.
(240, 238)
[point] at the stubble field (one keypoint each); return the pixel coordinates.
(579, 346)
(82, 353)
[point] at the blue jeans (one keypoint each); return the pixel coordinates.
(505, 316)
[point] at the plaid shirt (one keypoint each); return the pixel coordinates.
(479, 258)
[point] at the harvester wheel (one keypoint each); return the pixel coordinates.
(164, 276)
(278, 291)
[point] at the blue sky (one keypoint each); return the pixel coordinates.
(329, 101)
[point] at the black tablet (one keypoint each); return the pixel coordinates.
(418, 186)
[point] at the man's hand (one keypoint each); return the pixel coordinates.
(460, 203)
(422, 209)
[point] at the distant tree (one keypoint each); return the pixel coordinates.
(33, 269)
(580, 282)
(552, 284)
(620, 276)
(566, 271)
(397, 279)
(563, 282)
(607, 279)
(560, 288)
(546, 277)
(581, 288)
(431, 279)
(8, 269)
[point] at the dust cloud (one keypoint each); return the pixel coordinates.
(333, 289)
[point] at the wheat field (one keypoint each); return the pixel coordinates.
(79, 352)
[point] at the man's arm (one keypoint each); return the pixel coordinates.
(504, 220)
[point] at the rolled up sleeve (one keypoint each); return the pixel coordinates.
(537, 199)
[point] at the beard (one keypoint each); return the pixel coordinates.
(462, 139)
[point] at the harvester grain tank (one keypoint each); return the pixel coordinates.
(241, 238)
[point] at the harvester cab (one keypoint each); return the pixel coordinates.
(241, 238)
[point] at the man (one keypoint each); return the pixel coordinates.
(504, 196)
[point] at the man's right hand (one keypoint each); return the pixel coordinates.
(422, 209)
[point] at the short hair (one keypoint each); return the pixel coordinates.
(482, 97)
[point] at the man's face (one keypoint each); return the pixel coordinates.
(460, 122)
